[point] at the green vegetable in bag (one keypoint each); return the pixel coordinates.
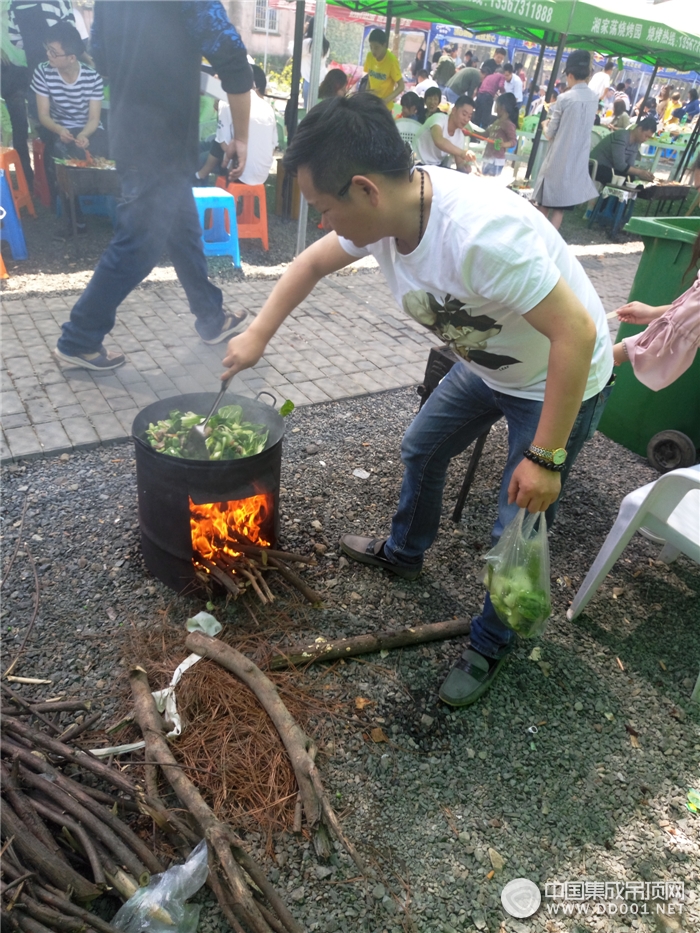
(517, 575)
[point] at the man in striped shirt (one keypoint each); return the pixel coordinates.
(69, 103)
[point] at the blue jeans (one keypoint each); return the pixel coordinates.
(450, 95)
(156, 213)
(461, 409)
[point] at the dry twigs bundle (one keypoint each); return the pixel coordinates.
(249, 568)
(64, 840)
(228, 861)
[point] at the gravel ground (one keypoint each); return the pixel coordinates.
(598, 794)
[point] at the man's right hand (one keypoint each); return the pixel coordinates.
(243, 351)
(236, 154)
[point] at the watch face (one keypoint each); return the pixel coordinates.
(559, 455)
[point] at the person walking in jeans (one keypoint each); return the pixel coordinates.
(527, 322)
(151, 52)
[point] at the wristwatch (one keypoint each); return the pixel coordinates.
(557, 456)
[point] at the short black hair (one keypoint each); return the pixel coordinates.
(620, 86)
(378, 35)
(489, 67)
(423, 71)
(693, 94)
(508, 66)
(433, 92)
(347, 136)
(648, 123)
(259, 79)
(500, 51)
(67, 36)
(578, 64)
(609, 65)
(463, 100)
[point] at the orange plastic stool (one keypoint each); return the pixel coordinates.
(3, 271)
(18, 185)
(41, 185)
(250, 227)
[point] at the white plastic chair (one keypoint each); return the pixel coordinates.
(407, 130)
(668, 509)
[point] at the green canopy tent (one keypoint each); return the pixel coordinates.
(606, 27)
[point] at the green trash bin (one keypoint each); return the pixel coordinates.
(663, 426)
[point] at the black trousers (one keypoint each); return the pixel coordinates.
(15, 82)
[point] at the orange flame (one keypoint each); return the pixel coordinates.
(211, 524)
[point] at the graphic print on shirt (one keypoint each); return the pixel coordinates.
(450, 320)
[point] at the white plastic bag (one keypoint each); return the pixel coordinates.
(160, 907)
(517, 575)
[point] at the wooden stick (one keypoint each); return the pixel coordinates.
(299, 746)
(77, 798)
(289, 575)
(25, 810)
(367, 644)
(254, 583)
(254, 550)
(23, 703)
(78, 831)
(68, 907)
(77, 728)
(39, 856)
(58, 706)
(35, 612)
(218, 835)
(222, 578)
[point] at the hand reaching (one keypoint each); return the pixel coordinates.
(636, 312)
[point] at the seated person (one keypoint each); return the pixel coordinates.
(262, 138)
(621, 94)
(69, 98)
(432, 101)
(691, 108)
(620, 119)
(617, 152)
(441, 138)
(412, 107)
(424, 82)
(503, 133)
(335, 84)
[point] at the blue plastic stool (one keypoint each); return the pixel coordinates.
(10, 225)
(217, 240)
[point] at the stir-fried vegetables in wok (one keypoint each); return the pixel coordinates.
(227, 436)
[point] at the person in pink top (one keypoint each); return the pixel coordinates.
(491, 85)
(666, 349)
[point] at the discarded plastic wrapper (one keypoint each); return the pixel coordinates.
(160, 907)
(165, 699)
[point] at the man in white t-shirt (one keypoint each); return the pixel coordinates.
(441, 139)
(513, 83)
(600, 81)
(424, 82)
(478, 267)
(262, 137)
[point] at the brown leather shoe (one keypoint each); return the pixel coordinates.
(371, 551)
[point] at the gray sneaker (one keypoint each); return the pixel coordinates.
(371, 551)
(232, 324)
(100, 361)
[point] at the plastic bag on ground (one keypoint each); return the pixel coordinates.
(160, 907)
(517, 575)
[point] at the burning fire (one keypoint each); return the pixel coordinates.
(212, 524)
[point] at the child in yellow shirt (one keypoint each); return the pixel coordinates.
(382, 66)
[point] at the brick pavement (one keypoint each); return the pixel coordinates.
(347, 339)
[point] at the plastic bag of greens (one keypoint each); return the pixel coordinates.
(517, 575)
(160, 907)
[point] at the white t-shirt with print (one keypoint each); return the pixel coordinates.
(487, 257)
(262, 138)
(424, 144)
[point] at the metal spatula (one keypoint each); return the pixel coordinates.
(195, 443)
